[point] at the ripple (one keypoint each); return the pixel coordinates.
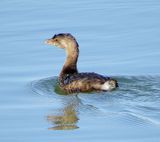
(137, 96)
(132, 89)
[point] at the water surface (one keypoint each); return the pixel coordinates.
(117, 38)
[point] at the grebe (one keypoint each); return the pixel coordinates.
(70, 80)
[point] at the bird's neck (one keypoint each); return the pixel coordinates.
(70, 65)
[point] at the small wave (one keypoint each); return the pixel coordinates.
(133, 91)
(145, 118)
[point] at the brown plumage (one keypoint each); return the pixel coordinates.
(70, 80)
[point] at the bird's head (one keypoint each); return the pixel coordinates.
(62, 40)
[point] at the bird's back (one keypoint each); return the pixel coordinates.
(82, 82)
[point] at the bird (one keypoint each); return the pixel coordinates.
(70, 80)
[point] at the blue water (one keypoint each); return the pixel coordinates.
(117, 38)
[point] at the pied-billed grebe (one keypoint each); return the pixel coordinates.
(70, 80)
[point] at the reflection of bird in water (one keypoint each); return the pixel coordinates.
(66, 121)
(70, 80)
(67, 117)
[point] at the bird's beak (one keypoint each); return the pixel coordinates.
(46, 41)
(49, 41)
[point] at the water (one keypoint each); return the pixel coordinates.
(117, 38)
